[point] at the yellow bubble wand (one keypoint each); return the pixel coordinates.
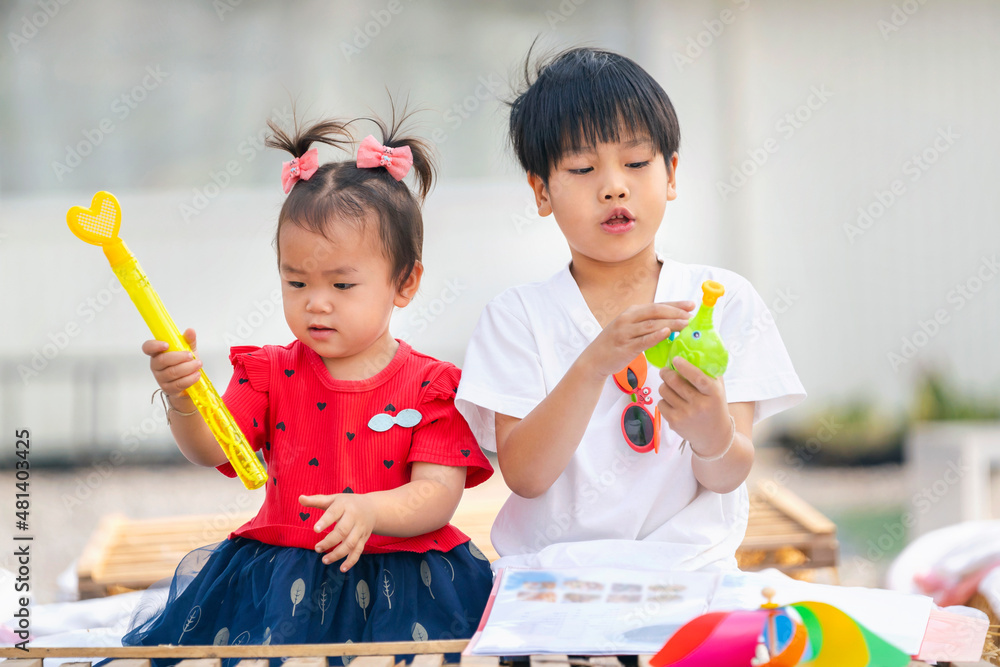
(98, 225)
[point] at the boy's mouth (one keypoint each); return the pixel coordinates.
(619, 222)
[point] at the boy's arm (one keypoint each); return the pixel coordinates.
(533, 451)
(695, 406)
(731, 470)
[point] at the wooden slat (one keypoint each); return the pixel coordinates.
(252, 663)
(428, 660)
(200, 662)
(372, 661)
(480, 661)
(130, 662)
(799, 510)
(239, 650)
(28, 662)
(315, 661)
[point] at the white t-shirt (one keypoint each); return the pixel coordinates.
(613, 505)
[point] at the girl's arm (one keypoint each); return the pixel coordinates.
(426, 503)
(175, 372)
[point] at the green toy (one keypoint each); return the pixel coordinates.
(697, 342)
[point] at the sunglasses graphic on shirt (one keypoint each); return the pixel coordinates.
(640, 428)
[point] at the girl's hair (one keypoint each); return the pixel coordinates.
(582, 97)
(342, 191)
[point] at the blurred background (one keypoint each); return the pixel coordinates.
(840, 154)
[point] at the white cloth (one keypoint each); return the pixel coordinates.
(612, 505)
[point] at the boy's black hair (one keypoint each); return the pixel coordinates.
(582, 97)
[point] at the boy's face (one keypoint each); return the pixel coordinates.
(608, 199)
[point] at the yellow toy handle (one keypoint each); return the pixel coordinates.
(202, 393)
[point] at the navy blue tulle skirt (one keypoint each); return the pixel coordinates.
(242, 591)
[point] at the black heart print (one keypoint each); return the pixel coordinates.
(388, 464)
(390, 408)
(289, 372)
(314, 462)
(303, 515)
(255, 423)
(275, 480)
(321, 405)
(242, 380)
(348, 489)
(280, 426)
(350, 436)
(465, 452)
(425, 383)
(267, 446)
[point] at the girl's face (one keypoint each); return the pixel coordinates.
(608, 199)
(338, 296)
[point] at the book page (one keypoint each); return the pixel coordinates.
(590, 611)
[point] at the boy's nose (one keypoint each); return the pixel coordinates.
(614, 189)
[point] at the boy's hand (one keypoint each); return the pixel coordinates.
(637, 329)
(694, 405)
(354, 514)
(174, 371)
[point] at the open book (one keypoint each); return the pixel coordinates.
(606, 611)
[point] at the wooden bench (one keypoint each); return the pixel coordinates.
(124, 554)
(427, 654)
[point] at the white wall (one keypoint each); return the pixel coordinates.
(851, 303)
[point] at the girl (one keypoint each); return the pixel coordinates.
(598, 139)
(366, 455)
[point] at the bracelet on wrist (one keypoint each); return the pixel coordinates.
(709, 459)
(168, 407)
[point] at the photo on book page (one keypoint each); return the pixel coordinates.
(593, 611)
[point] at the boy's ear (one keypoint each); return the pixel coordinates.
(408, 290)
(672, 178)
(541, 194)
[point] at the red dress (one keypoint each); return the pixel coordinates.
(315, 435)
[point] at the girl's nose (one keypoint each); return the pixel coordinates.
(316, 303)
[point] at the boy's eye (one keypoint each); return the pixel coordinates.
(637, 165)
(581, 170)
(295, 284)
(344, 286)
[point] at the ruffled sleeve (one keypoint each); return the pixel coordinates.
(443, 436)
(247, 398)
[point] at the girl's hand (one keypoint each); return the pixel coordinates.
(354, 514)
(694, 405)
(637, 329)
(174, 371)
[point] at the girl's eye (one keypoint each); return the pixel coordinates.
(295, 284)
(637, 165)
(583, 170)
(344, 286)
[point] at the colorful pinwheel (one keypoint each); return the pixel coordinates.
(805, 632)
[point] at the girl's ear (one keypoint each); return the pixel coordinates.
(541, 194)
(408, 290)
(672, 178)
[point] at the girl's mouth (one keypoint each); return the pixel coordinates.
(320, 332)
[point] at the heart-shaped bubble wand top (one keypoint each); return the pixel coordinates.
(98, 225)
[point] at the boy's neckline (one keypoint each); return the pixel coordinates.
(398, 359)
(664, 266)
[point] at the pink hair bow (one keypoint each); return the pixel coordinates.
(299, 168)
(397, 161)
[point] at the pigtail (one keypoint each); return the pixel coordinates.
(329, 131)
(423, 163)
